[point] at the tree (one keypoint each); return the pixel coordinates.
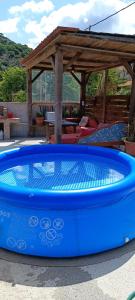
(20, 96)
(95, 84)
(13, 81)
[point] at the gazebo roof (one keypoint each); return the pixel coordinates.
(82, 50)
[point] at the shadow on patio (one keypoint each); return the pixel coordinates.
(44, 272)
(20, 142)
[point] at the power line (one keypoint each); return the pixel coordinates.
(89, 28)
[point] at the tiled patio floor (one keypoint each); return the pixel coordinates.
(14, 143)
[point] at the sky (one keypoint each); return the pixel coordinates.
(29, 22)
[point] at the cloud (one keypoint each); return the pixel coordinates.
(83, 14)
(33, 6)
(9, 25)
(80, 14)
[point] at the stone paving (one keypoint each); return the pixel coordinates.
(107, 276)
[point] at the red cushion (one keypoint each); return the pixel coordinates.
(10, 115)
(69, 129)
(78, 129)
(87, 131)
(67, 138)
(103, 125)
(92, 123)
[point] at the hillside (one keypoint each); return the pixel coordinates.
(11, 52)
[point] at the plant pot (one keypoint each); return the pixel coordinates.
(72, 119)
(130, 147)
(39, 121)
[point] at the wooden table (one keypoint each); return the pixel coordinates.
(43, 129)
(64, 125)
(7, 124)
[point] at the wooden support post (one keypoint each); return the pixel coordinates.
(87, 77)
(131, 70)
(104, 96)
(58, 94)
(82, 92)
(132, 100)
(52, 58)
(29, 99)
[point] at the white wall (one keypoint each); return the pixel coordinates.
(20, 111)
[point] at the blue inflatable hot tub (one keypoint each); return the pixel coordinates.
(66, 200)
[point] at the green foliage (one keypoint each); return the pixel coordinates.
(70, 88)
(39, 114)
(12, 76)
(93, 84)
(13, 81)
(44, 88)
(75, 112)
(66, 113)
(20, 96)
(113, 82)
(11, 52)
(124, 91)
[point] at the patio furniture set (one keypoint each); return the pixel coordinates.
(89, 131)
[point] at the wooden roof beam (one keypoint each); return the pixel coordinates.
(128, 68)
(98, 50)
(89, 60)
(72, 60)
(52, 58)
(48, 52)
(105, 67)
(45, 68)
(89, 64)
(78, 65)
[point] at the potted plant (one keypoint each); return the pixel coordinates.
(39, 119)
(76, 114)
(130, 139)
(66, 113)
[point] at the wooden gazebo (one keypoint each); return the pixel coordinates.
(72, 50)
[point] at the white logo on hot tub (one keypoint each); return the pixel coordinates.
(51, 234)
(11, 242)
(42, 236)
(21, 244)
(45, 223)
(4, 213)
(58, 223)
(33, 221)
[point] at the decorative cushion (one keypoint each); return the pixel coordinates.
(115, 132)
(71, 138)
(69, 129)
(92, 123)
(78, 129)
(84, 121)
(103, 125)
(10, 115)
(87, 131)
